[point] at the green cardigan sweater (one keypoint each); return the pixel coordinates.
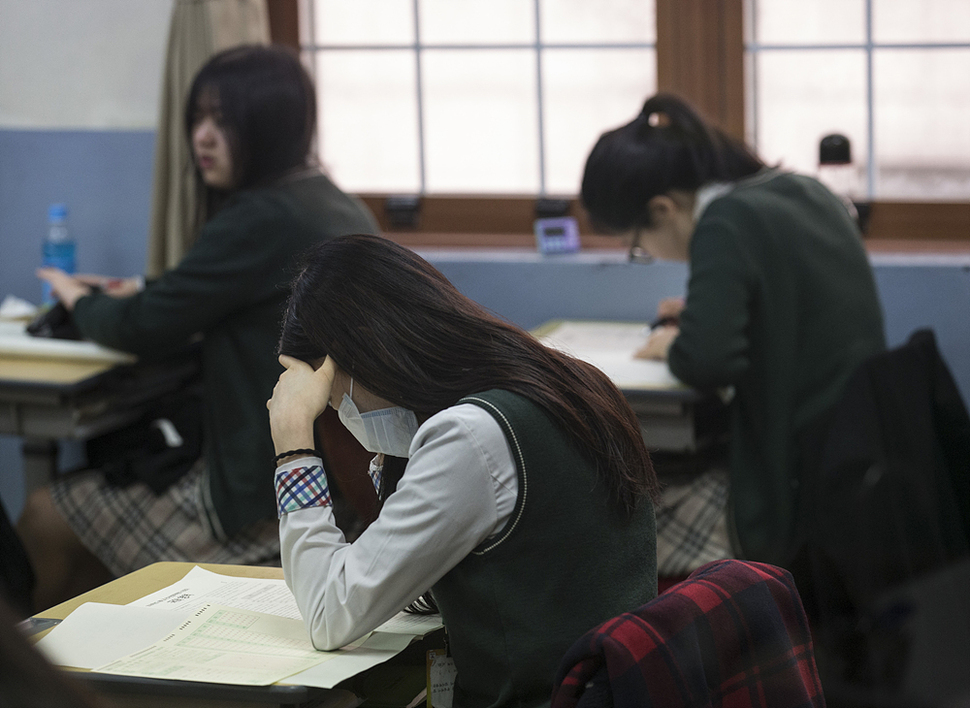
(231, 288)
(781, 305)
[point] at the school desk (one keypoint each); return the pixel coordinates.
(128, 691)
(673, 416)
(73, 391)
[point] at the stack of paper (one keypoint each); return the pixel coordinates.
(219, 629)
(610, 347)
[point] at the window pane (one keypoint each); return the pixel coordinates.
(481, 124)
(477, 21)
(921, 21)
(816, 22)
(586, 93)
(922, 131)
(368, 119)
(363, 21)
(584, 21)
(805, 95)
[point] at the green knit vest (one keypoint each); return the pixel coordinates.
(567, 560)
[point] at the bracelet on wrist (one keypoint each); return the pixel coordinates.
(301, 451)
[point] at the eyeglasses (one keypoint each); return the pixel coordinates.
(637, 253)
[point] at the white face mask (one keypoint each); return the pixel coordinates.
(388, 430)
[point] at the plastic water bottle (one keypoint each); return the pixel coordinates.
(59, 250)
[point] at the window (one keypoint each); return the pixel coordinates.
(891, 75)
(474, 96)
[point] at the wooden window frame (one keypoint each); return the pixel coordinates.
(700, 55)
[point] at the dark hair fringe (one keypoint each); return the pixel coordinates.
(267, 107)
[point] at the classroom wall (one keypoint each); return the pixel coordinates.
(79, 90)
(91, 64)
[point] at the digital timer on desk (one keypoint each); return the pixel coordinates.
(558, 235)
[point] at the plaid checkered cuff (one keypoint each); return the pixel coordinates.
(301, 488)
(376, 471)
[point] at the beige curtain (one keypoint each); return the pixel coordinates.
(199, 29)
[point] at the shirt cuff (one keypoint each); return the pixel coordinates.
(301, 486)
(376, 470)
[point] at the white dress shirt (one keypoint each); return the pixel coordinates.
(459, 489)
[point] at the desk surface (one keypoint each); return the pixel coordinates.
(39, 361)
(48, 398)
(673, 416)
(15, 342)
(610, 347)
(155, 577)
(43, 400)
(29, 371)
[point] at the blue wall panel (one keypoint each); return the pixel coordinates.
(104, 178)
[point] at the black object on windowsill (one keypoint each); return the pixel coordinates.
(403, 211)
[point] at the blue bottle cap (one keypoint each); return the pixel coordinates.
(57, 212)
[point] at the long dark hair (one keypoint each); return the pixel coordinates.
(667, 146)
(267, 106)
(400, 328)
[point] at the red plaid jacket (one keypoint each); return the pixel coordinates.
(733, 635)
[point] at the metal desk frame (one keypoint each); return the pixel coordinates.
(64, 400)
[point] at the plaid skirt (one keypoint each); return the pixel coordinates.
(692, 524)
(130, 527)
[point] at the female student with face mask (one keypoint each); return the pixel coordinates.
(250, 118)
(515, 481)
(781, 304)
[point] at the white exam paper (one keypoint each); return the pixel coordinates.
(351, 660)
(110, 633)
(96, 633)
(413, 625)
(200, 587)
(218, 644)
(610, 346)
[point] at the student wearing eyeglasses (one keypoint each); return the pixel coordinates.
(781, 304)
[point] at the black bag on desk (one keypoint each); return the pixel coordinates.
(158, 449)
(55, 322)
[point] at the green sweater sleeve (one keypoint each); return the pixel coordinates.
(712, 348)
(232, 265)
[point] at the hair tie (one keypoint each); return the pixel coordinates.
(301, 451)
(658, 119)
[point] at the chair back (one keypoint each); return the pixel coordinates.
(734, 634)
(887, 518)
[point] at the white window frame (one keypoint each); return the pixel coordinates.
(753, 48)
(310, 49)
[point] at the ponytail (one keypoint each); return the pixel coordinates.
(667, 146)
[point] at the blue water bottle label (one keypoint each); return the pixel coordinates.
(57, 255)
